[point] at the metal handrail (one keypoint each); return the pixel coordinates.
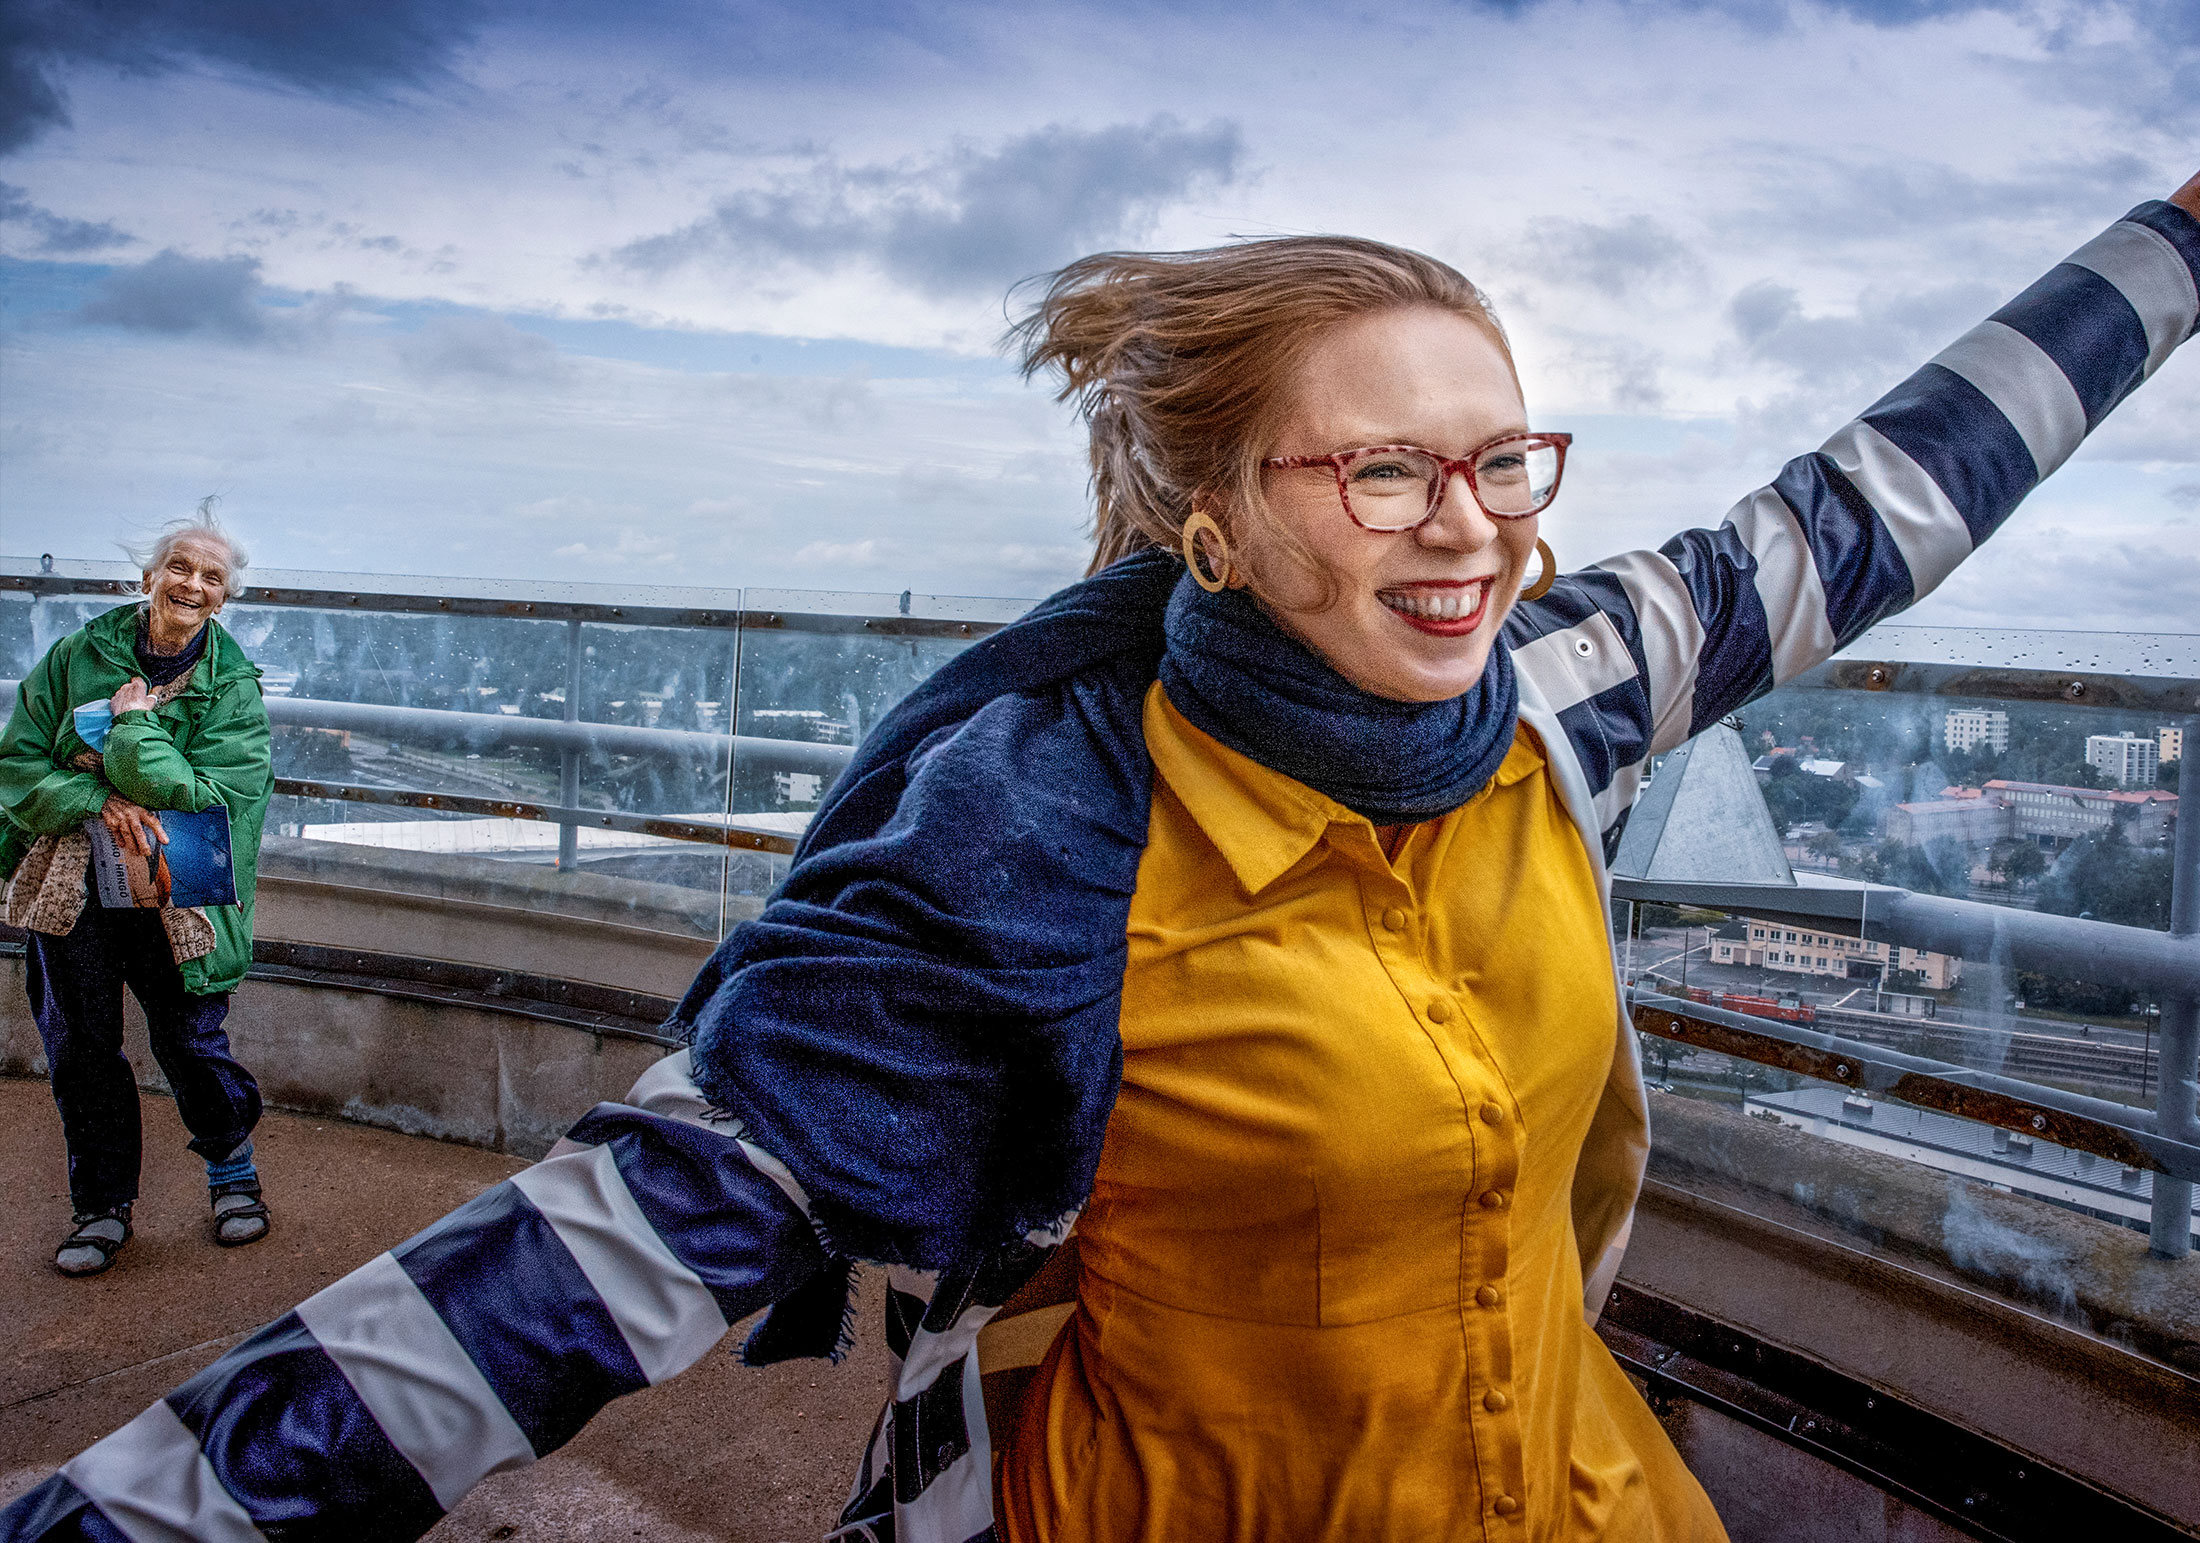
(664, 827)
(2116, 1131)
(2160, 962)
(504, 729)
(566, 736)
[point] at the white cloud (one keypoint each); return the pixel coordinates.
(1703, 265)
(479, 348)
(846, 554)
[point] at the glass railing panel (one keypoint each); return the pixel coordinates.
(2059, 1231)
(469, 861)
(1851, 796)
(818, 670)
(445, 740)
(31, 624)
(1714, 958)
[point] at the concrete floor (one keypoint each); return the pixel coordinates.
(724, 1452)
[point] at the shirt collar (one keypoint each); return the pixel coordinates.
(1261, 821)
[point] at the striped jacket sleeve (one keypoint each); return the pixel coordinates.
(481, 1344)
(1639, 652)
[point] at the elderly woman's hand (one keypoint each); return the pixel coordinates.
(134, 828)
(132, 698)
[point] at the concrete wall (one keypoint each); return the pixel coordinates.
(456, 1073)
(1769, 1492)
(606, 931)
(2054, 1333)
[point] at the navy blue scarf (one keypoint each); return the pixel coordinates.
(922, 1024)
(1237, 675)
(160, 669)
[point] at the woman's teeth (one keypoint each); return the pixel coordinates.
(1436, 604)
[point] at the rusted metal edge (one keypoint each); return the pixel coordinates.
(1896, 1076)
(2168, 694)
(701, 831)
(1977, 1484)
(603, 1011)
(872, 626)
(726, 618)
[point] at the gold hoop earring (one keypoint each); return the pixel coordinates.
(1225, 571)
(1549, 575)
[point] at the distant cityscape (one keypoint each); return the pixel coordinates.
(2066, 810)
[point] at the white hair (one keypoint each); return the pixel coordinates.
(150, 554)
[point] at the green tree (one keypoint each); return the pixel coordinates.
(1894, 862)
(2017, 860)
(2110, 880)
(2075, 774)
(1794, 796)
(2090, 998)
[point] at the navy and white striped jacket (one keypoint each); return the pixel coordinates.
(618, 1261)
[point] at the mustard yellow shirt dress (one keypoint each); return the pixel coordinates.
(1329, 1288)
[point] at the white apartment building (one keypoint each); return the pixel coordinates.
(2124, 759)
(2170, 743)
(1967, 728)
(1756, 944)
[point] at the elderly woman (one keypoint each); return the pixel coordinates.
(1243, 907)
(149, 707)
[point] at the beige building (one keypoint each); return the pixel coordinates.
(1754, 944)
(2169, 744)
(2046, 811)
(1978, 821)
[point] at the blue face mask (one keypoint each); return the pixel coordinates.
(93, 720)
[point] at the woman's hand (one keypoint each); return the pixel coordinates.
(134, 828)
(2187, 197)
(132, 698)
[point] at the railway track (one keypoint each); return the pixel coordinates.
(2017, 1053)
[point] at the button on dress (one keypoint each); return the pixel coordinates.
(1329, 1287)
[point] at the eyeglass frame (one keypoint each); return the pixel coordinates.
(1447, 467)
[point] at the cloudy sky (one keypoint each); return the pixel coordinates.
(708, 291)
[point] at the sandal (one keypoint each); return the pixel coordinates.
(240, 1216)
(98, 1237)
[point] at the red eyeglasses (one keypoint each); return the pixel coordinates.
(1396, 487)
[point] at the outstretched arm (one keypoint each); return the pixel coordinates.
(2187, 197)
(481, 1344)
(1648, 648)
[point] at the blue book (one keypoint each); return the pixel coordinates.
(192, 868)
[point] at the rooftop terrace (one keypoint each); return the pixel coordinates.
(724, 1453)
(511, 820)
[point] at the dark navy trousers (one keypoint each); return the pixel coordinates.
(76, 985)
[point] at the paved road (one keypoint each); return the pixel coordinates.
(723, 1453)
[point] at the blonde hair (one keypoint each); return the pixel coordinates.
(1179, 362)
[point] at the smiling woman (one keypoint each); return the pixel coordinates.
(147, 709)
(1236, 917)
(190, 571)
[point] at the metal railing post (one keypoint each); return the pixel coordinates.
(569, 759)
(2177, 1106)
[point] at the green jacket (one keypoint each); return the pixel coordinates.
(208, 745)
